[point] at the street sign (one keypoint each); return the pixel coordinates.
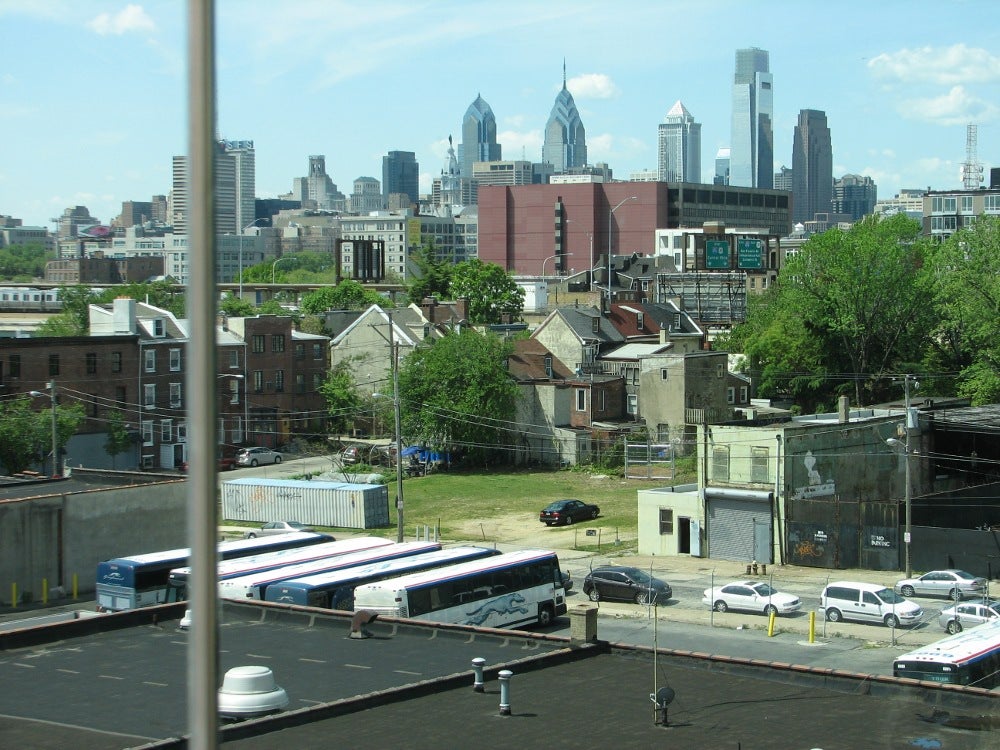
(716, 254)
(749, 253)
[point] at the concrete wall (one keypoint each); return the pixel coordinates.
(685, 502)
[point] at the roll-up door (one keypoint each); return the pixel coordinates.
(739, 525)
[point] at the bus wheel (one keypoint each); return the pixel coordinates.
(545, 615)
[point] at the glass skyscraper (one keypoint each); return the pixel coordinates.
(479, 137)
(812, 166)
(679, 151)
(565, 144)
(400, 175)
(751, 148)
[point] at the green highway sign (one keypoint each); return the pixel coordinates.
(716, 254)
(749, 253)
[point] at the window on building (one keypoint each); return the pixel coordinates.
(666, 521)
(581, 399)
(633, 403)
(91, 363)
(120, 394)
(664, 373)
(317, 381)
(317, 351)
(147, 432)
(720, 371)
(744, 393)
(149, 395)
(149, 360)
(720, 463)
(181, 432)
(166, 430)
(759, 460)
(991, 203)
(237, 429)
(259, 343)
(175, 360)
(300, 382)
(258, 381)
(116, 361)
(53, 364)
(278, 342)
(14, 365)
(234, 359)
(279, 380)
(300, 351)
(966, 204)
(175, 396)
(730, 395)
(234, 391)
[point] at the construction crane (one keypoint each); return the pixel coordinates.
(972, 170)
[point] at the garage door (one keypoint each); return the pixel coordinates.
(739, 529)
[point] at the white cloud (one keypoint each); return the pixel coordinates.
(518, 144)
(956, 107)
(947, 66)
(130, 18)
(592, 86)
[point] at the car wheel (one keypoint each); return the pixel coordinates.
(545, 615)
(720, 606)
(277, 459)
(569, 520)
(891, 621)
(594, 595)
(833, 615)
(906, 591)
(769, 610)
(253, 462)
(643, 597)
(956, 594)
(953, 626)
(594, 513)
(251, 535)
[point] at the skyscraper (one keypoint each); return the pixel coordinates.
(854, 195)
(241, 153)
(812, 166)
(479, 137)
(565, 144)
(317, 189)
(721, 166)
(400, 175)
(226, 191)
(679, 146)
(752, 144)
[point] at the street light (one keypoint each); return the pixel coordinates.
(55, 433)
(907, 480)
(241, 251)
(246, 391)
(557, 255)
(611, 214)
(276, 263)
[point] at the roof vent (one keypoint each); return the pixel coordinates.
(250, 691)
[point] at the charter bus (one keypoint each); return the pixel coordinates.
(335, 590)
(255, 585)
(504, 591)
(971, 657)
(142, 580)
(244, 566)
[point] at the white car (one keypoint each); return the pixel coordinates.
(277, 527)
(955, 584)
(255, 456)
(751, 596)
(969, 615)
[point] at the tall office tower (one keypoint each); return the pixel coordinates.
(245, 179)
(812, 166)
(225, 193)
(317, 190)
(400, 175)
(721, 167)
(783, 179)
(367, 195)
(679, 147)
(854, 195)
(479, 137)
(752, 145)
(565, 144)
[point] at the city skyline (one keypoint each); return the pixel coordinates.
(95, 92)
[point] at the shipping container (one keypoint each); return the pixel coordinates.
(340, 504)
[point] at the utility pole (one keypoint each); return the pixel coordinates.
(394, 353)
(908, 481)
(55, 430)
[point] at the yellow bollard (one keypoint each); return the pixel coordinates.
(76, 587)
(812, 627)
(13, 595)
(45, 591)
(770, 625)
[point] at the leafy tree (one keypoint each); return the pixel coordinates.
(342, 398)
(347, 295)
(157, 293)
(433, 277)
(59, 325)
(455, 393)
(118, 440)
(26, 435)
(24, 262)
(493, 295)
(234, 307)
(967, 336)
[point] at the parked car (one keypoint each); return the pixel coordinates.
(617, 582)
(255, 456)
(567, 579)
(751, 596)
(969, 614)
(867, 602)
(567, 512)
(351, 455)
(955, 584)
(277, 527)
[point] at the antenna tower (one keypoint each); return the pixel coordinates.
(972, 170)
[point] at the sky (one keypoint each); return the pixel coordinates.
(94, 93)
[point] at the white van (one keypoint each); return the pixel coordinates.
(867, 602)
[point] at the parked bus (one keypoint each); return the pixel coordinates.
(142, 580)
(244, 566)
(971, 657)
(505, 591)
(335, 590)
(255, 585)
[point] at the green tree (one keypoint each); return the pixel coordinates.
(26, 435)
(347, 295)
(156, 293)
(118, 440)
(59, 325)
(456, 393)
(23, 263)
(234, 307)
(342, 398)
(492, 293)
(433, 276)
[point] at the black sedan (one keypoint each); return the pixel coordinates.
(625, 584)
(567, 512)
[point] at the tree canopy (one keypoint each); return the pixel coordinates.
(433, 276)
(347, 295)
(23, 263)
(342, 397)
(455, 393)
(493, 295)
(26, 435)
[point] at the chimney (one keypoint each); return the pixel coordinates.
(462, 305)
(123, 315)
(429, 308)
(843, 410)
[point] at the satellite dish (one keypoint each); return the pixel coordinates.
(662, 698)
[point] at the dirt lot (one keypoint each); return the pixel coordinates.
(530, 532)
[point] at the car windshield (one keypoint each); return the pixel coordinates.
(639, 576)
(764, 590)
(889, 596)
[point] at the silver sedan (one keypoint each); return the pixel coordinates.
(968, 615)
(955, 584)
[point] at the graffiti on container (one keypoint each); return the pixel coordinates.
(807, 548)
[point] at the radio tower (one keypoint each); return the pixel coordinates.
(972, 170)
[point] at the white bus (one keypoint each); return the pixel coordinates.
(245, 566)
(971, 657)
(255, 585)
(505, 591)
